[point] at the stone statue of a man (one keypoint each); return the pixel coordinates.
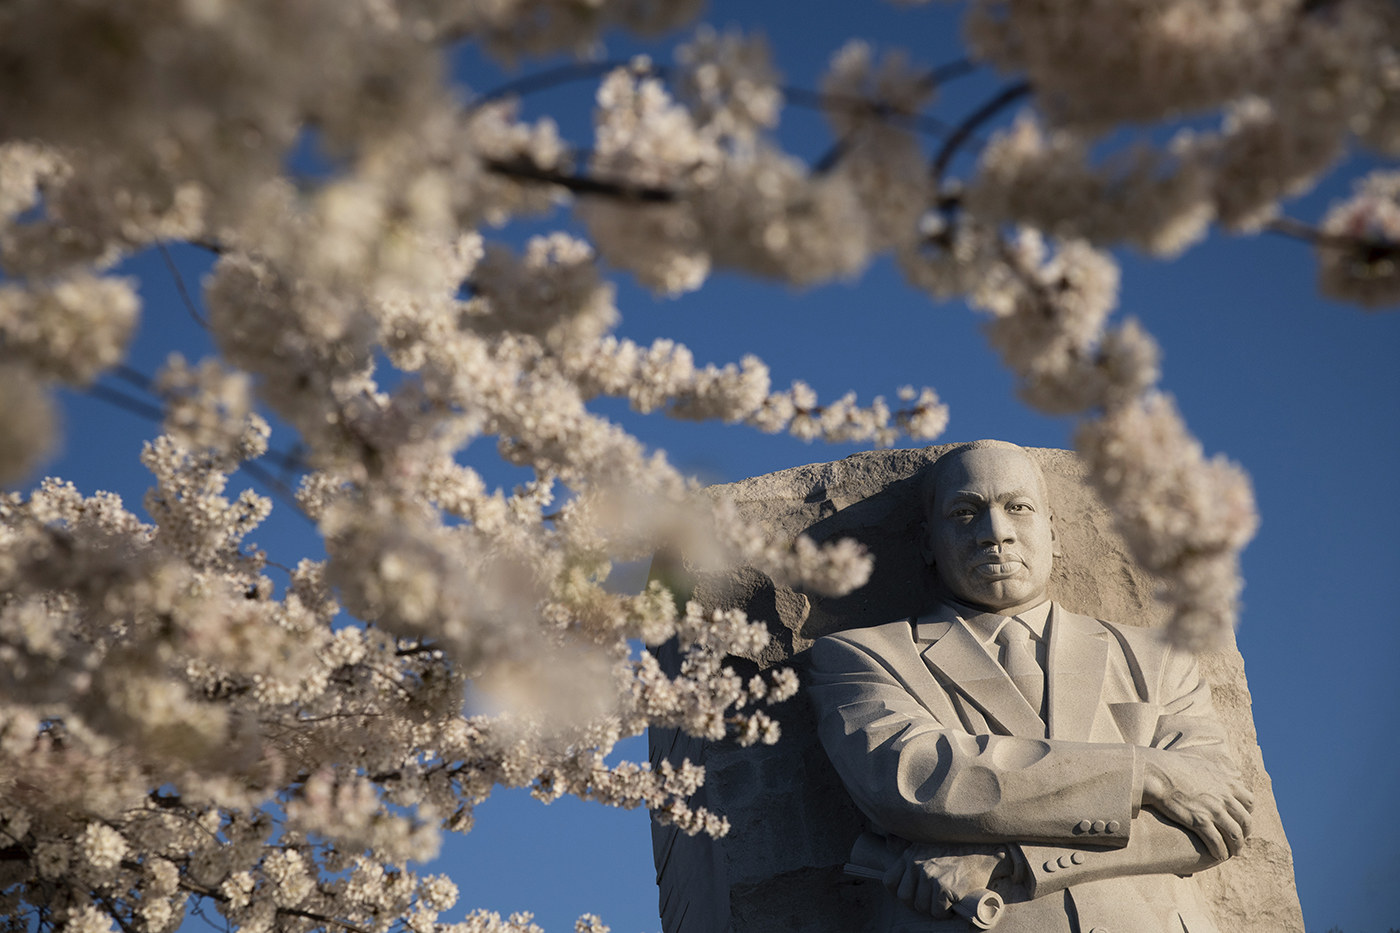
(1073, 766)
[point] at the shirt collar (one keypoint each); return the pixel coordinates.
(985, 625)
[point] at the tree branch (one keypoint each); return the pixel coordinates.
(948, 71)
(180, 285)
(111, 910)
(213, 894)
(554, 77)
(150, 412)
(420, 648)
(1374, 250)
(815, 100)
(580, 184)
(835, 154)
(133, 376)
(1004, 98)
(797, 96)
(125, 402)
(275, 486)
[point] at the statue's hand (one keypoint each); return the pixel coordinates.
(1200, 795)
(932, 878)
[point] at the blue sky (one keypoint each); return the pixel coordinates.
(1300, 390)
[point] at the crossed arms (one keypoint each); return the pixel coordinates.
(1047, 812)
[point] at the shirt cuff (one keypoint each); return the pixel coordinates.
(1020, 868)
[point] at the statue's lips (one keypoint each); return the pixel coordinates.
(1000, 568)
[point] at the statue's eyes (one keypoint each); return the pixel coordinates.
(1019, 507)
(961, 513)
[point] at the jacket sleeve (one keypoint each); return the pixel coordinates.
(1155, 847)
(1182, 721)
(1186, 720)
(928, 780)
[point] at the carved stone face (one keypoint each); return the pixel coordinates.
(988, 532)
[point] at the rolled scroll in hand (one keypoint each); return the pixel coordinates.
(871, 859)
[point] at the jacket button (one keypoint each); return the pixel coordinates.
(1084, 826)
(1099, 826)
(1051, 866)
(1112, 826)
(1064, 861)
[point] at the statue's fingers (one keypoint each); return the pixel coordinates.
(908, 886)
(1244, 796)
(925, 892)
(954, 883)
(938, 872)
(1204, 827)
(894, 876)
(1175, 809)
(1229, 828)
(1240, 811)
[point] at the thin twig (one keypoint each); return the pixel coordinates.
(553, 77)
(111, 910)
(152, 413)
(180, 285)
(122, 400)
(835, 154)
(420, 648)
(275, 486)
(797, 96)
(133, 376)
(815, 100)
(1297, 230)
(948, 71)
(1005, 97)
(290, 462)
(202, 891)
(580, 184)
(1364, 250)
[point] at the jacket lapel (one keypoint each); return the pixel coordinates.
(960, 658)
(1078, 663)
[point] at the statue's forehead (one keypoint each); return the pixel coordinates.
(996, 471)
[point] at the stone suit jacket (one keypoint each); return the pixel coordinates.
(936, 744)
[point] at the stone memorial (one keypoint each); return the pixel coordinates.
(990, 734)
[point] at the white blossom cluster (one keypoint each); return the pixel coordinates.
(1357, 259)
(1293, 86)
(184, 721)
(1185, 518)
(140, 658)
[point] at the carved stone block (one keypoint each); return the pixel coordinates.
(780, 867)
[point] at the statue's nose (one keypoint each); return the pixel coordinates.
(995, 529)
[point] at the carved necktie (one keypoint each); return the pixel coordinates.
(1019, 661)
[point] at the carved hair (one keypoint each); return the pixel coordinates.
(930, 474)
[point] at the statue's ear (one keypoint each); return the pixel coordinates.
(1055, 548)
(925, 542)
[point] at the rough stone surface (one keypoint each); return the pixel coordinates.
(792, 821)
